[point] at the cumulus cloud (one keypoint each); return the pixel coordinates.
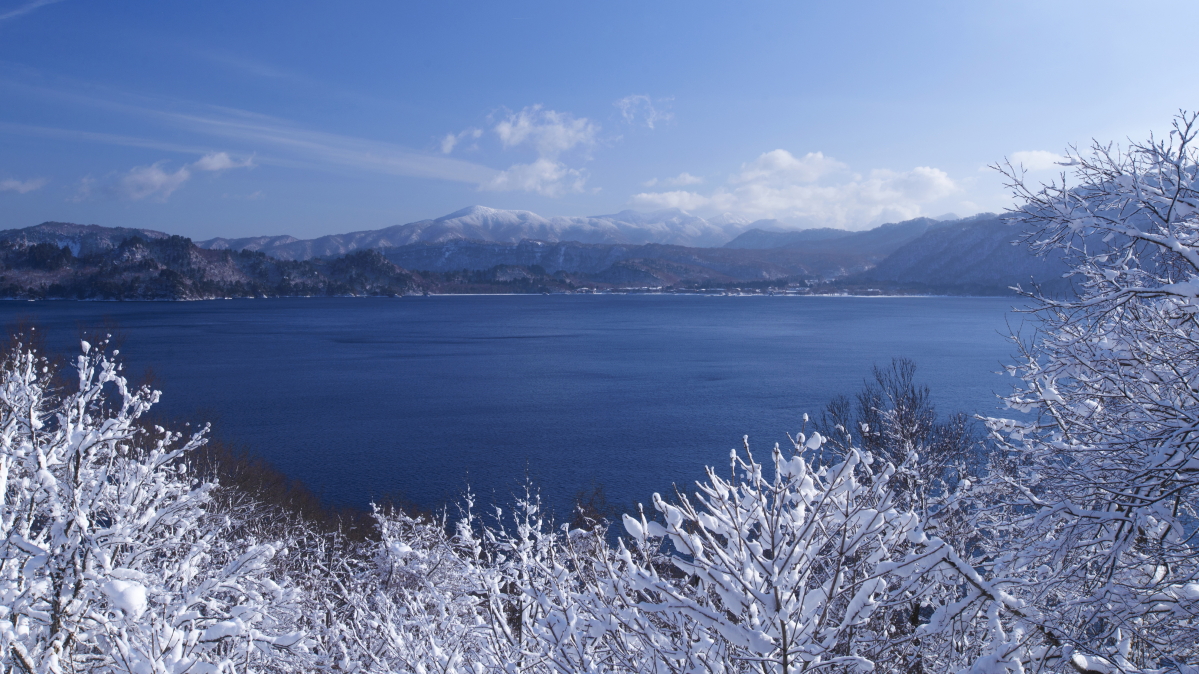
(544, 176)
(813, 190)
(452, 139)
(1037, 160)
(549, 132)
(639, 109)
(22, 186)
(220, 161)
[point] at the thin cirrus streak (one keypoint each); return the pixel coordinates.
(133, 141)
(308, 149)
(336, 149)
(102, 138)
(25, 9)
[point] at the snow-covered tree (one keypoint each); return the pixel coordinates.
(892, 417)
(110, 560)
(782, 568)
(785, 565)
(1089, 519)
(425, 596)
(402, 602)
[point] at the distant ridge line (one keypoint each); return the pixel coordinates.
(925, 256)
(481, 223)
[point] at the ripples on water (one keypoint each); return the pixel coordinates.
(417, 396)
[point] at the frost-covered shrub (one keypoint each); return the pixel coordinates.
(111, 561)
(804, 569)
(404, 602)
(788, 572)
(784, 568)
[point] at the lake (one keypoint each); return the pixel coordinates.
(420, 396)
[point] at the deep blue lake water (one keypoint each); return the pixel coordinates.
(360, 398)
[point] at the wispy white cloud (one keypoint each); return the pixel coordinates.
(291, 144)
(638, 109)
(688, 201)
(681, 180)
(249, 66)
(549, 132)
(544, 176)
(451, 140)
(156, 182)
(1037, 160)
(22, 186)
(85, 189)
(151, 181)
(813, 190)
(101, 138)
(221, 161)
(332, 149)
(25, 9)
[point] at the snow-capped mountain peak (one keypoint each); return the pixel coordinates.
(481, 223)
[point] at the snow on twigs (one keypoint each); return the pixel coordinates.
(111, 558)
(1087, 520)
(1071, 550)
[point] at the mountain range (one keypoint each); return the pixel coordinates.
(480, 223)
(490, 250)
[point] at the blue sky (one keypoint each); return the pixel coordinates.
(307, 118)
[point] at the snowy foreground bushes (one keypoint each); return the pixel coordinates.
(878, 549)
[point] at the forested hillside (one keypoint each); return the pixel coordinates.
(174, 268)
(983, 256)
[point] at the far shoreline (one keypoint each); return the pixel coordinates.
(431, 295)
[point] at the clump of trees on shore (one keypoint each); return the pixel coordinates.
(870, 542)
